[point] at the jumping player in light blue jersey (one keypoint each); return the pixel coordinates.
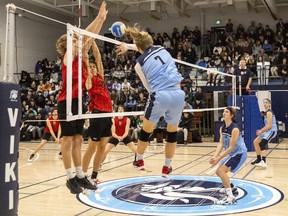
(158, 73)
(265, 135)
(233, 156)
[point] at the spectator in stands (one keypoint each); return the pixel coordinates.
(267, 47)
(280, 25)
(141, 102)
(126, 86)
(262, 56)
(251, 63)
(229, 26)
(252, 28)
(25, 80)
(246, 77)
(130, 103)
(116, 86)
(269, 34)
(185, 125)
(283, 69)
(196, 36)
(282, 55)
(40, 99)
(256, 48)
(279, 40)
(206, 44)
(199, 98)
(240, 30)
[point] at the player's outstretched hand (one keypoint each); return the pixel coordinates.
(121, 49)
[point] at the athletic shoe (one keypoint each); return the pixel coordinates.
(227, 200)
(73, 186)
(85, 183)
(261, 164)
(139, 164)
(233, 187)
(165, 171)
(255, 162)
(60, 156)
(30, 159)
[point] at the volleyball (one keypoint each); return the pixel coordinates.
(118, 29)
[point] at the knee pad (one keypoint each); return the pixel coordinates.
(171, 137)
(263, 144)
(144, 136)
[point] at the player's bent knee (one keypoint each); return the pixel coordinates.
(171, 137)
(144, 136)
(263, 144)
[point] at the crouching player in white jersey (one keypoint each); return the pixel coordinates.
(234, 154)
(158, 73)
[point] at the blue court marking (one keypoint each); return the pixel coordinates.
(179, 195)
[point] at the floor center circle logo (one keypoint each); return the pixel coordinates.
(179, 195)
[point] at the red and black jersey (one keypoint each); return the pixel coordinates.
(99, 95)
(75, 62)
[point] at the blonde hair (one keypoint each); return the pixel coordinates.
(61, 44)
(141, 38)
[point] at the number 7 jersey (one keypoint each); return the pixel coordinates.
(158, 68)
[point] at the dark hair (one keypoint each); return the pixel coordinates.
(268, 100)
(232, 111)
(119, 107)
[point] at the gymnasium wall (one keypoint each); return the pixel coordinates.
(36, 37)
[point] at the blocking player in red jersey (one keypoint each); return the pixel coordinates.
(72, 130)
(99, 129)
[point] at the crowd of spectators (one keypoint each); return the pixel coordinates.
(220, 48)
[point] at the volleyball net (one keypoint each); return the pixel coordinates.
(80, 33)
(71, 31)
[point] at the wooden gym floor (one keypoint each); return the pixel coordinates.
(42, 189)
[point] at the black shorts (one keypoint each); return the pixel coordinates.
(47, 136)
(115, 141)
(70, 128)
(99, 127)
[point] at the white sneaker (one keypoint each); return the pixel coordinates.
(261, 164)
(223, 190)
(227, 200)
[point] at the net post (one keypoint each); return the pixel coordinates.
(10, 52)
(80, 42)
(69, 71)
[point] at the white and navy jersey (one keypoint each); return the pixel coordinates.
(158, 68)
(240, 146)
(274, 124)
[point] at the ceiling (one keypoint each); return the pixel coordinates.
(158, 9)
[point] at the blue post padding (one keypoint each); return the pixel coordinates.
(248, 118)
(10, 110)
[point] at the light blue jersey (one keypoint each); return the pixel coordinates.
(270, 134)
(159, 69)
(240, 146)
(238, 156)
(274, 124)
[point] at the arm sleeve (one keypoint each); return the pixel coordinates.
(131, 47)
